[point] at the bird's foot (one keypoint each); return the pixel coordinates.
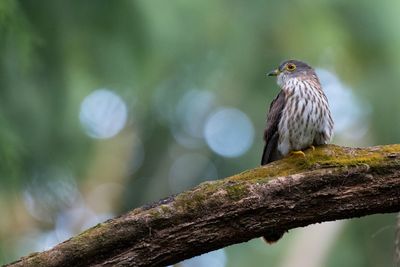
(298, 153)
(312, 147)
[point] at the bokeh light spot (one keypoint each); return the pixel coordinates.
(191, 113)
(229, 132)
(349, 113)
(193, 109)
(44, 198)
(103, 114)
(190, 169)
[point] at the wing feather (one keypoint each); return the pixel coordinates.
(271, 135)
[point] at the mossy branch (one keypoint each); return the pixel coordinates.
(331, 183)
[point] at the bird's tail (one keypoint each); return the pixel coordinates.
(265, 156)
(270, 152)
(273, 237)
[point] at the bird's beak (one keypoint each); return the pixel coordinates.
(274, 72)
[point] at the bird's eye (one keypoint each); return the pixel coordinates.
(290, 67)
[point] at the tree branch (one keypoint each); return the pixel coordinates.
(331, 183)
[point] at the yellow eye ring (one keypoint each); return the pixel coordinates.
(290, 67)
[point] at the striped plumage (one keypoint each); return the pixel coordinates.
(299, 116)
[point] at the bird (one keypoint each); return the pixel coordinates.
(298, 118)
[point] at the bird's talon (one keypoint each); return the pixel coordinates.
(298, 153)
(312, 148)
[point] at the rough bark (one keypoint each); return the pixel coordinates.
(330, 183)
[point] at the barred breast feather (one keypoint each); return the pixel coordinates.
(306, 119)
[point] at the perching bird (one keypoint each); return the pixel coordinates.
(298, 118)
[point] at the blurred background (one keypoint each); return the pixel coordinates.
(108, 105)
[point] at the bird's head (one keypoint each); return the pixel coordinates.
(292, 69)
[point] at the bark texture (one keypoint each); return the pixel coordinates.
(330, 183)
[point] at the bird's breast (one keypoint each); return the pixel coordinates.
(302, 117)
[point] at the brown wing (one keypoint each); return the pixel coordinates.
(271, 135)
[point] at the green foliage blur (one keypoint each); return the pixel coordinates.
(59, 175)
